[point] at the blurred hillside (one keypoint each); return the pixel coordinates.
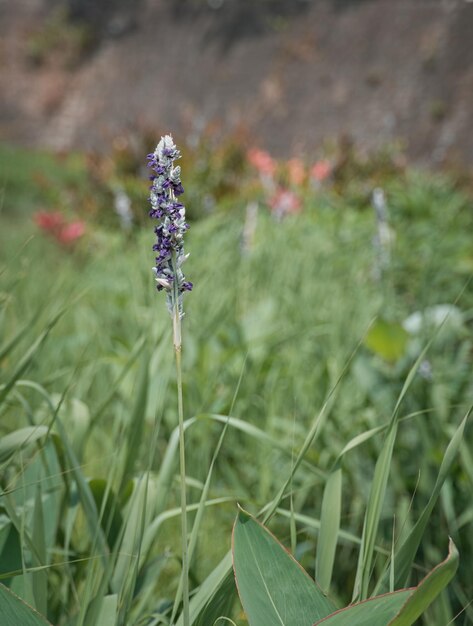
(290, 74)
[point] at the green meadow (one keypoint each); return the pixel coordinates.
(304, 332)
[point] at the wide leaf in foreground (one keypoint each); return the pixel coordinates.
(400, 608)
(377, 611)
(274, 589)
(14, 611)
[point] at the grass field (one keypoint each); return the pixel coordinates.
(303, 312)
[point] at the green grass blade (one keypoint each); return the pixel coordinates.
(224, 598)
(108, 505)
(261, 436)
(8, 346)
(27, 358)
(166, 468)
(314, 432)
(108, 612)
(329, 529)
(221, 603)
(95, 418)
(343, 535)
(358, 440)
(40, 579)
(214, 581)
(273, 587)
(103, 611)
(378, 488)
(17, 521)
(136, 422)
(405, 554)
(85, 494)
(14, 442)
(373, 514)
(198, 519)
(125, 568)
(10, 549)
(209, 591)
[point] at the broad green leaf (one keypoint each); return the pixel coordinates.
(428, 589)
(387, 339)
(377, 611)
(273, 587)
(22, 586)
(14, 611)
(11, 443)
(400, 608)
(211, 590)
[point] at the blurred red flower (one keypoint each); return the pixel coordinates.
(285, 202)
(321, 170)
(53, 223)
(71, 232)
(49, 221)
(262, 161)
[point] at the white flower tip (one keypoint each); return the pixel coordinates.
(164, 283)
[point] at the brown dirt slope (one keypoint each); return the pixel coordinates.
(375, 70)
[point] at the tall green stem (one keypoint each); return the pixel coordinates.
(176, 322)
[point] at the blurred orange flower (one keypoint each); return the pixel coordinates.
(296, 171)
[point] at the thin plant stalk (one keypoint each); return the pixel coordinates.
(176, 319)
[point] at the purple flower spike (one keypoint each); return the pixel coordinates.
(171, 216)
